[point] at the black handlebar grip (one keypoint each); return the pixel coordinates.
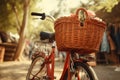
(39, 14)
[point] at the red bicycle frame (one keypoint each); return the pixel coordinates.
(50, 66)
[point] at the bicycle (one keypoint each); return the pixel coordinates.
(42, 66)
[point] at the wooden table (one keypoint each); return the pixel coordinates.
(8, 51)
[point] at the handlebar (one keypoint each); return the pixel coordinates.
(39, 14)
(43, 15)
(45, 35)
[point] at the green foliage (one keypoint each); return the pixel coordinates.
(58, 8)
(107, 4)
(7, 17)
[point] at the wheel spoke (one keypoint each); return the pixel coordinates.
(37, 70)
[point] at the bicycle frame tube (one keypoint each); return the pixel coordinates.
(50, 66)
(66, 69)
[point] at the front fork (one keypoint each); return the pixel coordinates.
(66, 70)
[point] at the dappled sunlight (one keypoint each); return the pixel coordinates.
(13, 70)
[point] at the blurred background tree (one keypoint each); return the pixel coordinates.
(12, 11)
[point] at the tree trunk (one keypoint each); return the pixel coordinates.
(22, 31)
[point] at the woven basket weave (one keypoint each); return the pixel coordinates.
(71, 36)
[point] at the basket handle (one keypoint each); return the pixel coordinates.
(77, 12)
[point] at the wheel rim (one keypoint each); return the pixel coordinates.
(35, 73)
(80, 74)
(83, 74)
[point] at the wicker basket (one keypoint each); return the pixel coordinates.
(71, 36)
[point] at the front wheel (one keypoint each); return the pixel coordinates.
(83, 72)
(37, 69)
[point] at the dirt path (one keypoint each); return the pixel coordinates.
(13, 70)
(18, 71)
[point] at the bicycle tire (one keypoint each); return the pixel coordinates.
(83, 72)
(35, 67)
